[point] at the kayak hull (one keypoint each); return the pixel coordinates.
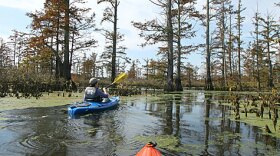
(91, 107)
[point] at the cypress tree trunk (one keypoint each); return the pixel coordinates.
(114, 54)
(258, 52)
(209, 85)
(270, 74)
(230, 42)
(67, 68)
(239, 45)
(169, 86)
(178, 78)
(224, 69)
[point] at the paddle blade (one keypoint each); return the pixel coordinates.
(120, 78)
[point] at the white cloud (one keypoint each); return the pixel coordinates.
(27, 5)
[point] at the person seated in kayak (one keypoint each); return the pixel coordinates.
(93, 93)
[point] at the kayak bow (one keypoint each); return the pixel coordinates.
(149, 150)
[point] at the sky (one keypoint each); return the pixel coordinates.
(13, 17)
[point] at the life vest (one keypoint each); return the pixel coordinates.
(149, 150)
(90, 93)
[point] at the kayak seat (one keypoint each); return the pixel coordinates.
(80, 105)
(83, 105)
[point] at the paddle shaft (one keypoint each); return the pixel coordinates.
(110, 85)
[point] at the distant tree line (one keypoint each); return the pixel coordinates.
(53, 53)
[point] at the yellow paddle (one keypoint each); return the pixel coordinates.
(118, 79)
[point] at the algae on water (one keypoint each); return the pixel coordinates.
(10, 103)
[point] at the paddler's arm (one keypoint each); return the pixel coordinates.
(102, 94)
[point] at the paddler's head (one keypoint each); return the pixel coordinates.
(93, 82)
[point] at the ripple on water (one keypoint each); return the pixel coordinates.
(39, 144)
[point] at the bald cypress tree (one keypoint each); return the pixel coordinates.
(209, 84)
(66, 63)
(240, 19)
(269, 32)
(169, 29)
(111, 15)
(184, 13)
(61, 28)
(156, 31)
(257, 49)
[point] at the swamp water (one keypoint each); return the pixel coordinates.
(186, 123)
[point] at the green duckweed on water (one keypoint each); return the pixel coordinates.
(10, 103)
(92, 131)
(2, 118)
(51, 100)
(253, 120)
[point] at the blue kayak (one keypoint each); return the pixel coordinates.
(86, 107)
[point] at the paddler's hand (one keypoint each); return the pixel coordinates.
(104, 90)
